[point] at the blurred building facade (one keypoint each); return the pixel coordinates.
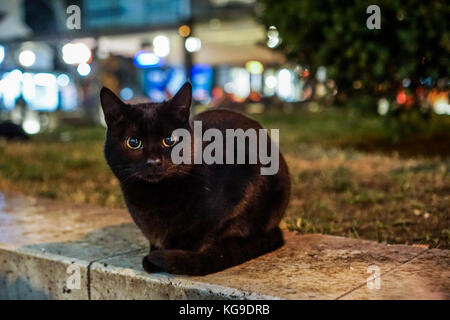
(55, 55)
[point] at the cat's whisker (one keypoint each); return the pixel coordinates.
(121, 167)
(129, 178)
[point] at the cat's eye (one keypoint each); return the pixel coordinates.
(134, 143)
(167, 142)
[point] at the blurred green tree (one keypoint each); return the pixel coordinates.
(413, 43)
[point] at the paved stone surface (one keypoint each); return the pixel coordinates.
(314, 267)
(26, 220)
(43, 241)
(307, 267)
(425, 277)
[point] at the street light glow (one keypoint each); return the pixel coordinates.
(254, 67)
(193, 44)
(31, 126)
(184, 31)
(76, 53)
(161, 46)
(84, 69)
(273, 37)
(27, 58)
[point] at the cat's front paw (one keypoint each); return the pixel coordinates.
(171, 261)
(150, 267)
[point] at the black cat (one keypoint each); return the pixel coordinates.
(198, 218)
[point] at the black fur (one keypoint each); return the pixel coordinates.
(199, 218)
(12, 131)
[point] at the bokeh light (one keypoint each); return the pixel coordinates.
(84, 69)
(27, 58)
(184, 31)
(254, 67)
(161, 46)
(76, 53)
(193, 44)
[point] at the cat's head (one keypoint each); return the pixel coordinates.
(138, 141)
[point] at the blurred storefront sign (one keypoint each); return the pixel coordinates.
(101, 14)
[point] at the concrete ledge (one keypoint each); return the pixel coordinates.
(44, 244)
(30, 274)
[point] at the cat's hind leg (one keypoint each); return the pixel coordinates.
(224, 254)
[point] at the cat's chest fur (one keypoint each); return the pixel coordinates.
(169, 216)
(184, 213)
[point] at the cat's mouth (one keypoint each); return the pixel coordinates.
(152, 178)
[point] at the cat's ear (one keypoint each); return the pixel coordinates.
(181, 102)
(111, 105)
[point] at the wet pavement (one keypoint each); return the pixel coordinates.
(57, 250)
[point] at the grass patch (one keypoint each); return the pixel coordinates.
(341, 179)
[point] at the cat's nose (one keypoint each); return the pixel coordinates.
(153, 162)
